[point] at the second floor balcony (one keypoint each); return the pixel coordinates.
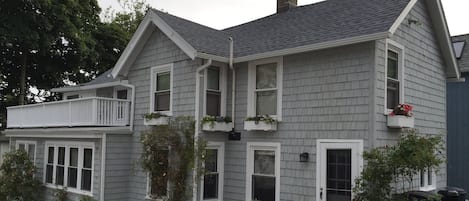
(84, 112)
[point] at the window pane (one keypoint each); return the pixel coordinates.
(86, 180)
(72, 177)
(266, 76)
(211, 186)
(213, 103)
(422, 178)
(264, 162)
(392, 94)
(163, 81)
(88, 158)
(49, 172)
(263, 188)
(74, 157)
(430, 177)
(159, 181)
(211, 160)
(162, 101)
(22, 147)
(61, 160)
(266, 102)
(31, 151)
(59, 176)
(213, 78)
(122, 94)
(50, 156)
(393, 65)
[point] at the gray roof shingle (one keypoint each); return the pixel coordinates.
(304, 25)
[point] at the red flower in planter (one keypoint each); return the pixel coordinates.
(402, 109)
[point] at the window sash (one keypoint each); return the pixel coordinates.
(160, 92)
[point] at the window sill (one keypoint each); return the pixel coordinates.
(70, 190)
(428, 188)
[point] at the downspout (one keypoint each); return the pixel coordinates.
(233, 84)
(103, 166)
(132, 105)
(197, 124)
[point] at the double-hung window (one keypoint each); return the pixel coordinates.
(157, 187)
(29, 147)
(265, 87)
(263, 172)
(161, 89)
(69, 165)
(212, 188)
(215, 91)
(427, 180)
(394, 76)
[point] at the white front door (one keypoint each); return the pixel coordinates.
(339, 162)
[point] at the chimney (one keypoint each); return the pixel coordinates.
(285, 5)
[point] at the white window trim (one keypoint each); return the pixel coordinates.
(154, 71)
(251, 98)
(267, 146)
(223, 89)
(400, 50)
(427, 187)
(220, 147)
(27, 147)
(69, 144)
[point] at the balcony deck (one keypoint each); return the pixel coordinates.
(85, 112)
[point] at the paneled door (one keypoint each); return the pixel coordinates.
(339, 162)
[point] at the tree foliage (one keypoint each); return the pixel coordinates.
(391, 170)
(17, 178)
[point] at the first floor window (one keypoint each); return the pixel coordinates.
(427, 179)
(214, 167)
(29, 147)
(263, 172)
(69, 165)
(158, 180)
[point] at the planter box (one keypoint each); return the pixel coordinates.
(260, 126)
(156, 122)
(400, 121)
(217, 126)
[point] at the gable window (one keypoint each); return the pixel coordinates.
(394, 76)
(215, 91)
(427, 180)
(161, 89)
(157, 186)
(265, 87)
(69, 165)
(212, 187)
(29, 147)
(263, 172)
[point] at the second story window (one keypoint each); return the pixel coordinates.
(394, 76)
(161, 79)
(215, 91)
(265, 88)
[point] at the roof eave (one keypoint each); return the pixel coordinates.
(86, 87)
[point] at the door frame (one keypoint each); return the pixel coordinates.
(337, 143)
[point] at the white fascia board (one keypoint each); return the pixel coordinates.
(87, 87)
(212, 57)
(312, 47)
(402, 16)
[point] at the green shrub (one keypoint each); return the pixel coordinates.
(61, 194)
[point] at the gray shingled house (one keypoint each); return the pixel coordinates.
(329, 73)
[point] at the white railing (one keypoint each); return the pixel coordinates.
(94, 111)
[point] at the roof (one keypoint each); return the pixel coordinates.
(103, 78)
(326, 24)
(461, 48)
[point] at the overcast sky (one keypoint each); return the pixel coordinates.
(220, 14)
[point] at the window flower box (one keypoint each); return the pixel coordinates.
(401, 117)
(155, 119)
(260, 123)
(221, 124)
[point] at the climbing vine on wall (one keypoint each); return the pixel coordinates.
(391, 170)
(169, 155)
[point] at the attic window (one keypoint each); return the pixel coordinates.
(458, 48)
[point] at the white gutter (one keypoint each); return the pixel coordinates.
(233, 84)
(197, 124)
(103, 166)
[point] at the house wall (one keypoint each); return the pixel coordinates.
(424, 80)
(40, 163)
(158, 50)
